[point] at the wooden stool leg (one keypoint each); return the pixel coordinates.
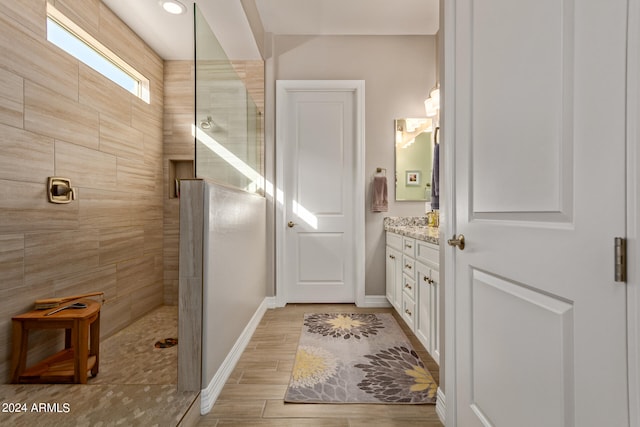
(81, 351)
(94, 348)
(19, 355)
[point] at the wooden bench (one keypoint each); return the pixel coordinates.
(81, 351)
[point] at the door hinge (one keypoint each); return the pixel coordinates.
(620, 251)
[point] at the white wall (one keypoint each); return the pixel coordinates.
(398, 72)
(234, 270)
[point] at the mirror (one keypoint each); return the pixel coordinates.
(414, 158)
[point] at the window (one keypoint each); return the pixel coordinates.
(69, 37)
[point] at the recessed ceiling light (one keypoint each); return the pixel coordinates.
(173, 6)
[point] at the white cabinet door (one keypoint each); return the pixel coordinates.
(427, 325)
(435, 315)
(424, 327)
(394, 277)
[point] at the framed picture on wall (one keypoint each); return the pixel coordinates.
(413, 178)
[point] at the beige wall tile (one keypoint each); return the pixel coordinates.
(11, 99)
(28, 13)
(135, 176)
(101, 208)
(24, 207)
(48, 114)
(147, 121)
(54, 255)
(133, 274)
(120, 139)
(12, 261)
(178, 135)
(118, 37)
(26, 156)
(101, 279)
(153, 151)
(119, 244)
(144, 300)
(179, 86)
(85, 13)
(153, 238)
(146, 208)
(153, 68)
(85, 167)
(35, 59)
(115, 315)
(101, 94)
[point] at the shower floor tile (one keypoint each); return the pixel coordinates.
(136, 385)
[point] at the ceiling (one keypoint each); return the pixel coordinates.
(172, 36)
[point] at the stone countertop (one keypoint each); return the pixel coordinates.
(419, 232)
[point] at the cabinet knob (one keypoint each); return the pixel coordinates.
(408, 266)
(407, 312)
(392, 257)
(408, 286)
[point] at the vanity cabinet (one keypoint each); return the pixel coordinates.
(412, 287)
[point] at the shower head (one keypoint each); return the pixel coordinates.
(207, 124)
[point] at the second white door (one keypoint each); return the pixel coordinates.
(318, 151)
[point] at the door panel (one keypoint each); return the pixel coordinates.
(536, 306)
(534, 80)
(512, 323)
(320, 258)
(321, 156)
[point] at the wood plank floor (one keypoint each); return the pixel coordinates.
(254, 393)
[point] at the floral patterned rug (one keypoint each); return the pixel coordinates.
(357, 358)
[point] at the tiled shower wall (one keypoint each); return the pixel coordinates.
(60, 118)
(178, 146)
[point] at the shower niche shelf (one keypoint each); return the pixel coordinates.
(178, 170)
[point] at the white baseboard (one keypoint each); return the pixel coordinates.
(440, 406)
(209, 395)
(272, 302)
(375, 301)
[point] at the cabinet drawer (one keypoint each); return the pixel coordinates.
(394, 240)
(409, 246)
(427, 252)
(408, 266)
(408, 311)
(409, 286)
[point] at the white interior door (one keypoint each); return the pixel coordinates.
(535, 130)
(319, 150)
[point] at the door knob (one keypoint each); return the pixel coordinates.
(459, 241)
(291, 224)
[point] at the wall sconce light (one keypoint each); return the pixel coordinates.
(432, 103)
(399, 134)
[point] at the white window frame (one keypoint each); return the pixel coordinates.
(141, 83)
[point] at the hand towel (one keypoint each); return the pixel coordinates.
(379, 202)
(435, 178)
